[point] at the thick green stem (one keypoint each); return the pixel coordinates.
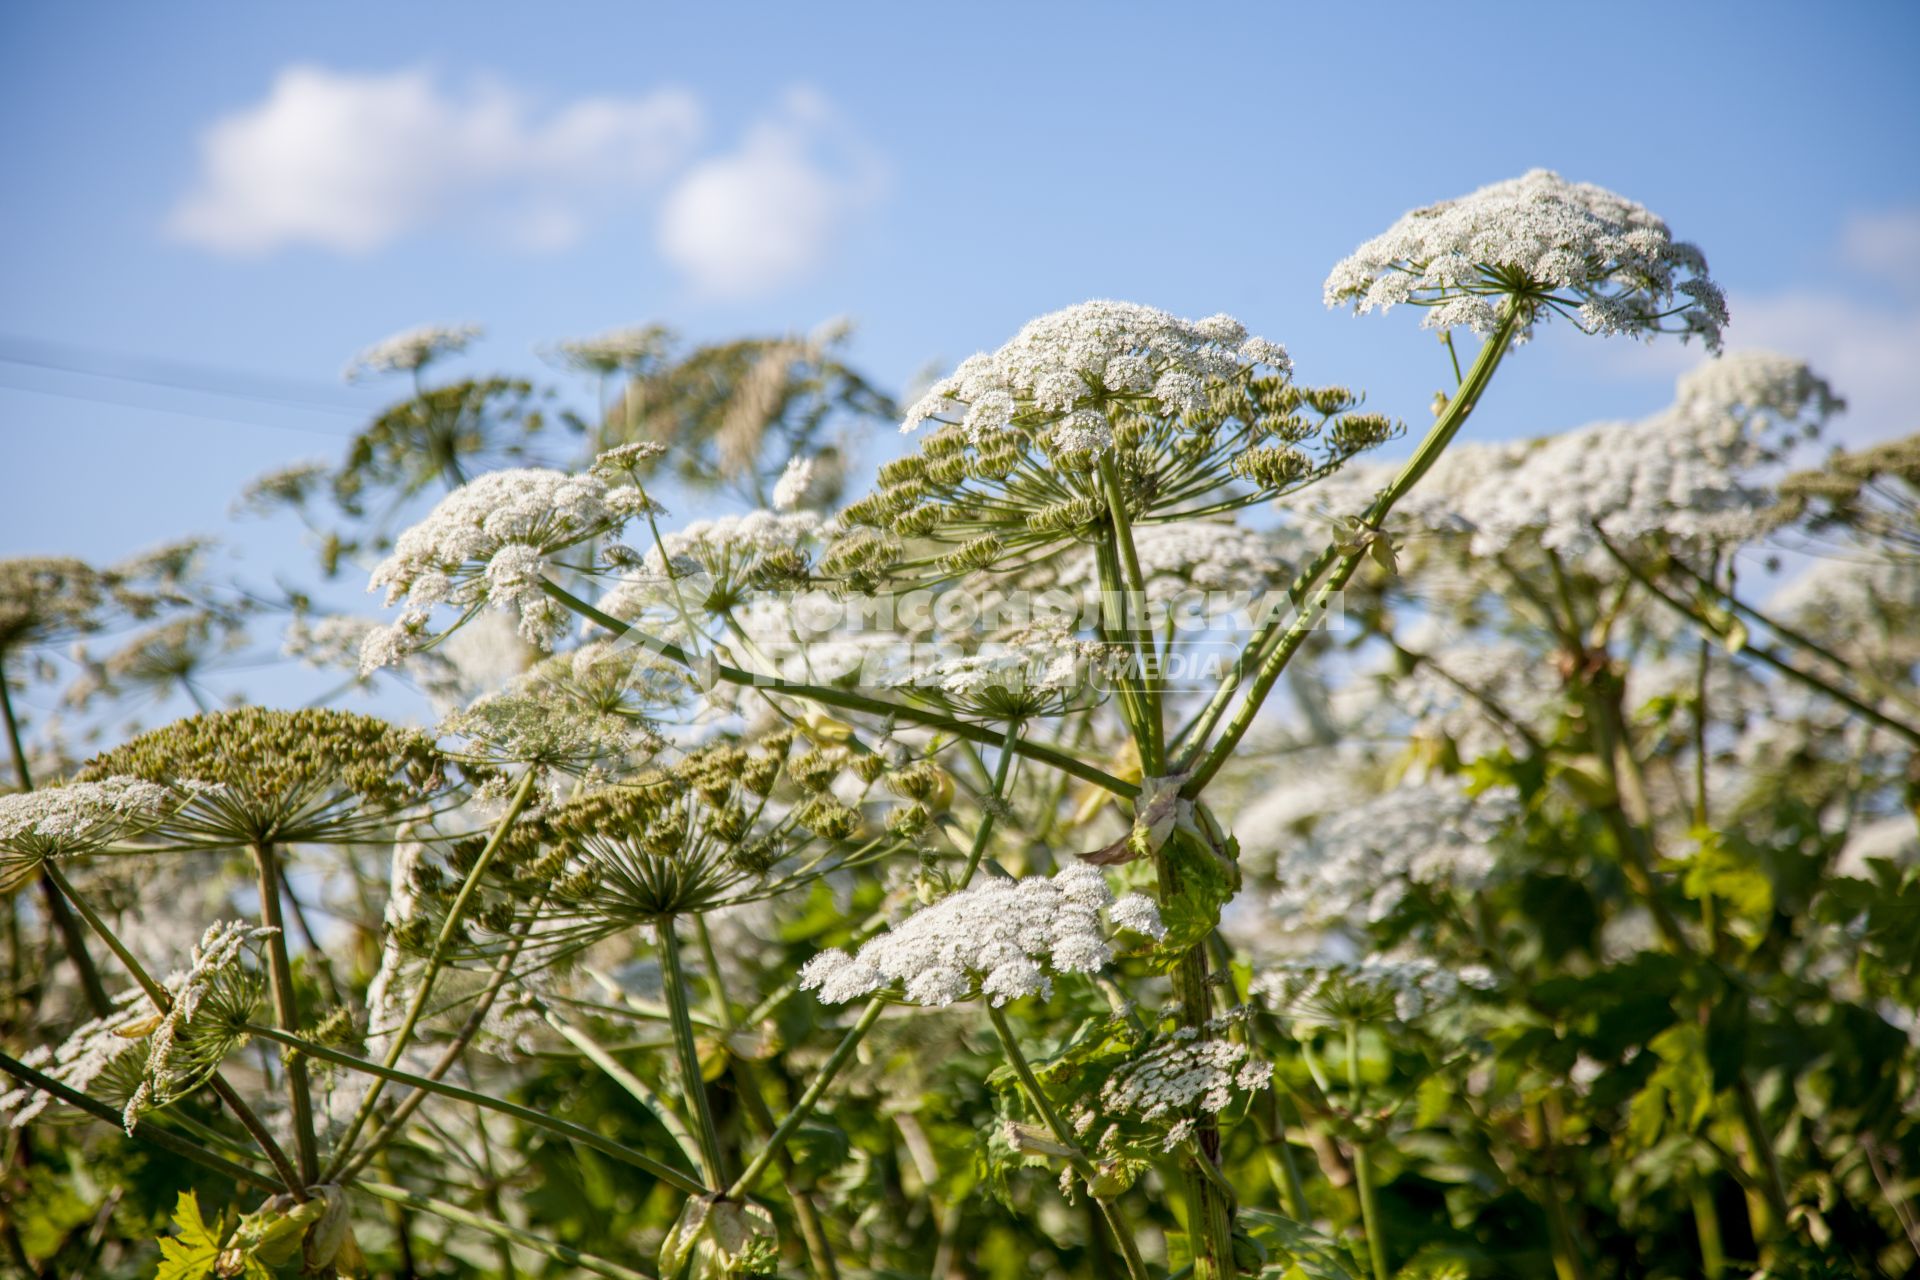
(1630, 817)
(1030, 1085)
(692, 1080)
(847, 700)
(1342, 569)
(1133, 598)
(1706, 1227)
(435, 960)
(286, 1007)
(1209, 1207)
(1773, 1184)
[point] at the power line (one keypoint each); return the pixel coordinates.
(230, 384)
(331, 433)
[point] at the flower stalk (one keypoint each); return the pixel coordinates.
(1037, 1098)
(436, 958)
(286, 1003)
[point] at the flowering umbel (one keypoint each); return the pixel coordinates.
(1547, 244)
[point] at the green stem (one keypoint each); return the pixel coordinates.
(1030, 1085)
(1706, 1225)
(153, 1135)
(743, 1185)
(989, 809)
(813, 1234)
(1445, 427)
(501, 1231)
(847, 700)
(163, 1001)
(527, 1115)
(1773, 1184)
(435, 960)
(637, 1088)
(692, 1080)
(716, 984)
(1570, 1260)
(1284, 1169)
(1363, 1166)
(286, 1006)
(342, 1169)
(1762, 653)
(1791, 635)
(1629, 814)
(1133, 617)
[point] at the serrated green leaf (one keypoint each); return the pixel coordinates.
(189, 1254)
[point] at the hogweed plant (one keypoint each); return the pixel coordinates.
(892, 890)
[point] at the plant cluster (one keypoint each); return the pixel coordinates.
(1521, 893)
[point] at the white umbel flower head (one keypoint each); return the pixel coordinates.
(216, 955)
(179, 1053)
(1546, 243)
(488, 541)
(77, 818)
(1358, 863)
(1066, 363)
(1693, 471)
(1381, 987)
(1696, 470)
(1002, 939)
(412, 350)
(88, 1053)
(1184, 1071)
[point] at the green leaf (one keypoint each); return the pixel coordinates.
(1298, 1251)
(1679, 1093)
(1204, 881)
(190, 1254)
(1717, 871)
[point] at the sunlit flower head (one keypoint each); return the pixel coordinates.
(1550, 245)
(492, 541)
(1091, 355)
(1098, 404)
(77, 818)
(1001, 939)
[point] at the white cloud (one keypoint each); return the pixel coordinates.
(770, 211)
(1884, 246)
(354, 162)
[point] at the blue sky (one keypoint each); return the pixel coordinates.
(260, 190)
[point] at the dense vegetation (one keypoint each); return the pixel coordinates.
(1140, 834)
